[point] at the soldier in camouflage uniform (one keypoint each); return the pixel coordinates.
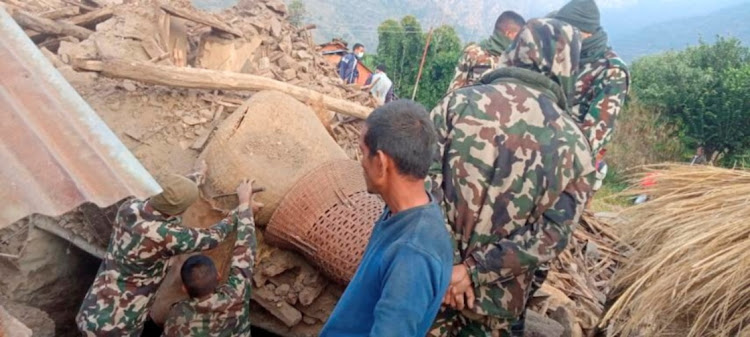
(145, 236)
(222, 311)
(478, 59)
(514, 174)
(603, 79)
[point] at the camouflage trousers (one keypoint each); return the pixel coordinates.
(453, 323)
(540, 275)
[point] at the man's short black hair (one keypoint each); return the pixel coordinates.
(402, 130)
(508, 20)
(356, 46)
(199, 276)
(381, 67)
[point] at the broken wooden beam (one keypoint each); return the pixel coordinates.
(60, 13)
(91, 18)
(43, 25)
(202, 19)
(82, 6)
(306, 28)
(192, 78)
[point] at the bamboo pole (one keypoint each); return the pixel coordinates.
(421, 64)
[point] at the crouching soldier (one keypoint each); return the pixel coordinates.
(146, 234)
(214, 310)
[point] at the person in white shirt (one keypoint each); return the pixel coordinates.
(380, 85)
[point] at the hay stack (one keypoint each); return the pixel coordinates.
(691, 265)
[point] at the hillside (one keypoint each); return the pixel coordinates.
(472, 19)
(636, 27)
(677, 34)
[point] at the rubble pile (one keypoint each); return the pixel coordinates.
(579, 282)
(167, 118)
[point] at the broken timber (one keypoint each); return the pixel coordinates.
(91, 18)
(202, 19)
(43, 25)
(192, 78)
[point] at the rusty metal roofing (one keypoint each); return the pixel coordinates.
(55, 151)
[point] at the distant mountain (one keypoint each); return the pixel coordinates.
(636, 27)
(358, 20)
(677, 34)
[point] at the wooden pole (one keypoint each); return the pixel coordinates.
(421, 64)
(43, 25)
(214, 80)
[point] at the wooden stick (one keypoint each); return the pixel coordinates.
(92, 18)
(9, 256)
(211, 79)
(306, 28)
(42, 25)
(202, 19)
(82, 6)
(60, 13)
(255, 190)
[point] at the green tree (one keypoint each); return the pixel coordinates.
(704, 91)
(400, 48)
(297, 13)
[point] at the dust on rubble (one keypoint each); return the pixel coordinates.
(166, 128)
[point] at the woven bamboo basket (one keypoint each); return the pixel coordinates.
(328, 217)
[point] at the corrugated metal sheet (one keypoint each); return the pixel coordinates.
(55, 152)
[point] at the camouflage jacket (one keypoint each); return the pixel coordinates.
(601, 89)
(227, 311)
(474, 62)
(514, 170)
(143, 241)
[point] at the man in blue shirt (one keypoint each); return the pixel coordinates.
(406, 268)
(348, 65)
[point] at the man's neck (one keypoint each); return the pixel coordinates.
(405, 195)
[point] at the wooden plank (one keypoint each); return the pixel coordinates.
(92, 18)
(202, 19)
(217, 80)
(61, 12)
(43, 25)
(152, 48)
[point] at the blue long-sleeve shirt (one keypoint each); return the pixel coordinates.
(400, 283)
(348, 68)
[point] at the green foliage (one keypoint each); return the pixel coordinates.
(400, 48)
(703, 91)
(297, 12)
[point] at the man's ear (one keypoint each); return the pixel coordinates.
(184, 289)
(218, 275)
(384, 162)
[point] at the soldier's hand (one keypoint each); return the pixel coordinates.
(461, 291)
(245, 192)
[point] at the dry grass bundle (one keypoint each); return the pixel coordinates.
(691, 263)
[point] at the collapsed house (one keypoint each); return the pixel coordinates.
(242, 89)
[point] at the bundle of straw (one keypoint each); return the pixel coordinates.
(691, 264)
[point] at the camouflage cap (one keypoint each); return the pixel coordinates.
(179, 193)
(550, 47)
